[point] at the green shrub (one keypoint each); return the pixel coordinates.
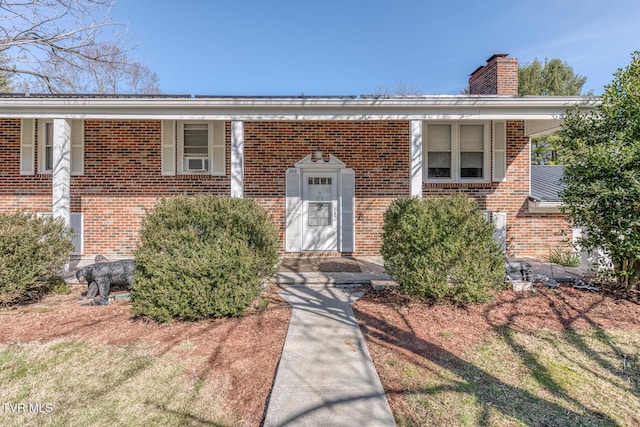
(32, 249)
(564, 257)
(202, 256)
(442, 248)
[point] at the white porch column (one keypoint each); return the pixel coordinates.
(237, 159)
(416, 159)
(61, 175)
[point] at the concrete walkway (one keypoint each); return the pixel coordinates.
(325, 376)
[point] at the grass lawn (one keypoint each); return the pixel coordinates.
(86, 384)
(543, 379)
(496, 365)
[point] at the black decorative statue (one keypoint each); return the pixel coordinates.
(101, 275)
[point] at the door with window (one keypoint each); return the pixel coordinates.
(320, 211)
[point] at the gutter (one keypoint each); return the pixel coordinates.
(444, 107)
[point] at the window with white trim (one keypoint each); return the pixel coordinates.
(45, 146)
(456, 152)
(200, 147)
(194, 143)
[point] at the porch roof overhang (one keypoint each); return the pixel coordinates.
(443, 107)
(544, 206)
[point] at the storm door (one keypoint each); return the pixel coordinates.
(320, 211)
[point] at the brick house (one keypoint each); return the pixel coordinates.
(325, 168)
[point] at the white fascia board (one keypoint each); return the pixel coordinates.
(255, 109)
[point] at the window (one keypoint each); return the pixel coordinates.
(456, 152)
(439, 151)
(195, 147)
(45, 147)
(471, 151)
(200, 147)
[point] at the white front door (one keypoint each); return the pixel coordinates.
(320, 211)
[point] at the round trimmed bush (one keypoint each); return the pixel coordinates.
(442, 248)
(202, 256)
(32, 250)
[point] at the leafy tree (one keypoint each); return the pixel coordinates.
(547, 150)
(45, 41)
(602, 172)
(555, 78)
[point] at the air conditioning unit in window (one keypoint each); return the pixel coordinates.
(196, 164)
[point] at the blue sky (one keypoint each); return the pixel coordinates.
(355, 47)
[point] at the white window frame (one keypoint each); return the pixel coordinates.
(455, 153)
(77, 147)
(42, 146)
(210, 148)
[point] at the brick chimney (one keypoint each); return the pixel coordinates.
(498, 77)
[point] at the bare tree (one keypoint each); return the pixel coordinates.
(5, 77)
(401, 89)
(115, 73)
(57, 45)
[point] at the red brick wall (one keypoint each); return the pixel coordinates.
(18, 192)
(543, 232)
(498, 77)
(527, 234)
(378, 152)
(122, 178)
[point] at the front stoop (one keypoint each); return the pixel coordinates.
(372, 271)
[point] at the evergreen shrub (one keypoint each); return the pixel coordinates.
(442, 248)
(202, 256)
(32, 250)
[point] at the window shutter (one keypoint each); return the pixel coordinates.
(499, 151)
(76, 226)
(77, 147)
(168, 150)
(216, 148)
(27, 147)
(293, 210)
(347, 204)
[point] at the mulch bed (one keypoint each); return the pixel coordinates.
(457, 328)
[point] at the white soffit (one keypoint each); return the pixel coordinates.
(541, 127)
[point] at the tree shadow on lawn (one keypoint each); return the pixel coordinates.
(571, 316)
(488, 390)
